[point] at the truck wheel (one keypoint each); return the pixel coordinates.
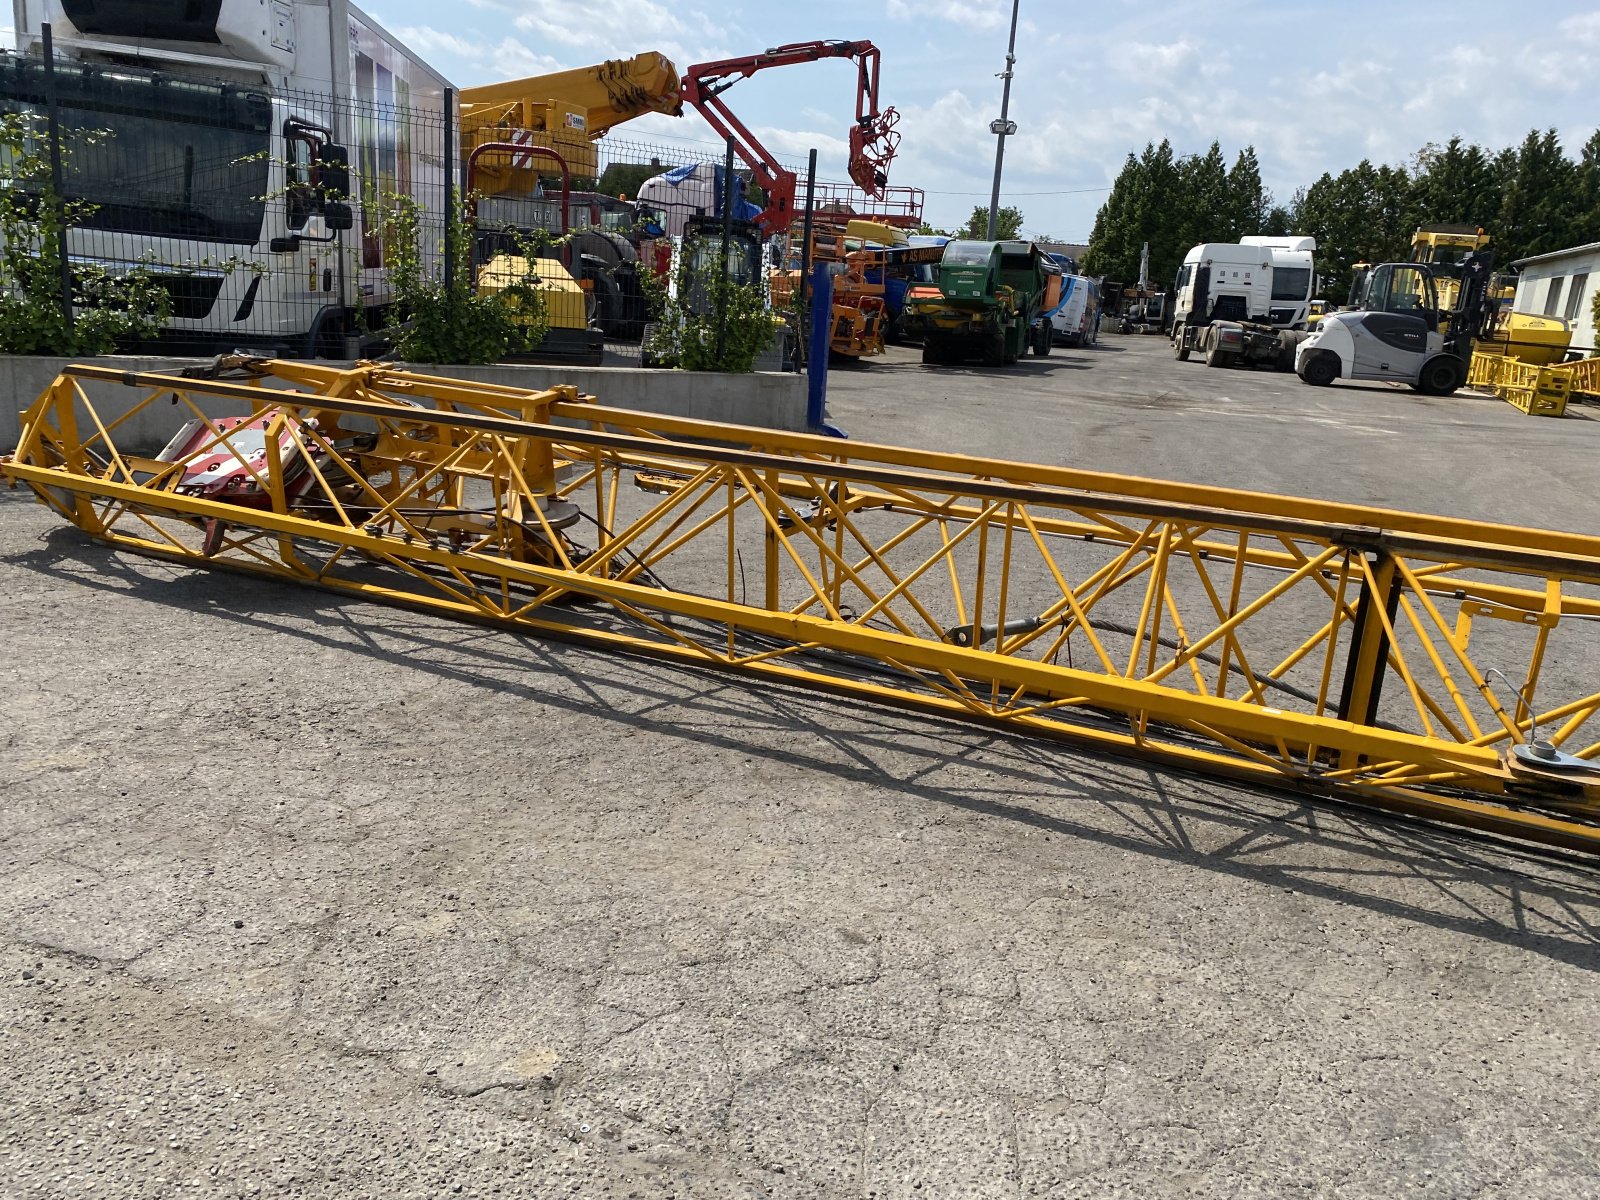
(1044, 339)
(1180, 345)
(994, 348)
(931, 355)
(1441, 375)
(1321, 369)
(1216, 356)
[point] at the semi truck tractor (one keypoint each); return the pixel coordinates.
(1244, 302)
(235, 143)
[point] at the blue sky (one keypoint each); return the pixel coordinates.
(1314, 86)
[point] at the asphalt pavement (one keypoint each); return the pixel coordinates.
(304, 897)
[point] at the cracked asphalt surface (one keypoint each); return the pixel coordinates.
(310, 898)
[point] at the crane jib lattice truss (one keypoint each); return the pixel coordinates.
(1437, 667)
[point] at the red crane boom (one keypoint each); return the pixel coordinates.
(873, 139)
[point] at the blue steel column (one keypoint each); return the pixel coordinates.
(817, 353)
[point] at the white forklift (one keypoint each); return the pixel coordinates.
(1391, 332)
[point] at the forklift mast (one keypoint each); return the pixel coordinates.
(1475, 312)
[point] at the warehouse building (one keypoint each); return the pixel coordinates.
(1563, 284)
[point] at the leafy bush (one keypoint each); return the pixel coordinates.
(449, 322)
(704, 302)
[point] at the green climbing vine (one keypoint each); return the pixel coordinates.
(450, 321)
(707, 320)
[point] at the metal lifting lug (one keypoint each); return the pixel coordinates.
(962, 635)
(1541, 756)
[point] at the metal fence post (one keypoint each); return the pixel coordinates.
(1368, 660)
(817, 368)
(449, 193)
(53, 128)
(803, 313)
(727, 237)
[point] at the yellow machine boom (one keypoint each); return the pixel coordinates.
(567, 110)
(1437, 667)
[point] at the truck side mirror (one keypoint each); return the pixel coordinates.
(337, 216)
(332, 173)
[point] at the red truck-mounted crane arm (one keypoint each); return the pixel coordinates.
(873, 138)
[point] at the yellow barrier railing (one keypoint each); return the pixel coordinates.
(1585, 377)
(1537, 391)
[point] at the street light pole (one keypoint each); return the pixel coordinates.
(1004, 127)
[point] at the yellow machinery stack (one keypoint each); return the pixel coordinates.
(525, 121)
(860, 248)
(1521, 362)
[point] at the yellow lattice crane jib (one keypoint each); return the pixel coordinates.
(1429, 665)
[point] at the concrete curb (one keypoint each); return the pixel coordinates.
(767, 400)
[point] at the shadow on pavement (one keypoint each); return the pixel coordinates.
(1473, 886)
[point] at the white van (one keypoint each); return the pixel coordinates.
(1074, 318)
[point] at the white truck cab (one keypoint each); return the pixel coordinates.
(1268, 280)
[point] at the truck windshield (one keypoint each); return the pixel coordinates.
(1291, 283)
(969, 254)
(155, 155)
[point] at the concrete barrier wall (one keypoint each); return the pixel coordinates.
(769, 401)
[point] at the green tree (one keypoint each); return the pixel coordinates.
(1586, 208)
(1007, 223)
(1108, 240)
(1457, 184)
(1363, 214)
(1279, 222)
(1539, 209)
(1249, 202)
(1144, 206)
(1531, 198)
(1205, 203)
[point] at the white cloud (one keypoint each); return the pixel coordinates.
(430, 41)
(512, 59)
(795, 145)
(975, 14)
(1156, 59)
(1584, 27)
